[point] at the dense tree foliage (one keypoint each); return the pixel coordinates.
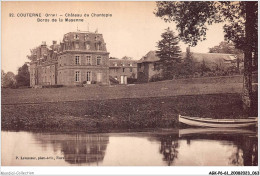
(169, 53)
(9, 80)
(203, 68)
(192, 18)
(23, 76)
(225, 47)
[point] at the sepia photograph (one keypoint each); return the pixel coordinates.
(141, 83)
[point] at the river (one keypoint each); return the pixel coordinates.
(164, 147)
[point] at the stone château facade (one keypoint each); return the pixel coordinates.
(81, 57)
(121, 69)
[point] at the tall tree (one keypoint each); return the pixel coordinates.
(192, 18)
(23, 76)
(9, 80)
(169, 53)
(188, 66)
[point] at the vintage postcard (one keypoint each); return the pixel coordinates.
(140, 83)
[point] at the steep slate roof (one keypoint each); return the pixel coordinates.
(83, 37)
(198, 57)
(120, 63)
(211, 57)
(149, 57)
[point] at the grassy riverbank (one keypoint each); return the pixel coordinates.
(155, 89)
(106, 108)
(126, 113)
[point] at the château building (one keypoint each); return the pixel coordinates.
(80, 58)
(122, 69)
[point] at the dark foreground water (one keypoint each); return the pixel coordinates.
(185, 147)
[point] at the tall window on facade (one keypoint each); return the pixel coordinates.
(131, 69)
(88, 60)
(77, 60)
(88, 76)
(99, 77)
(123, 69)
(98, 60)
(77, 76)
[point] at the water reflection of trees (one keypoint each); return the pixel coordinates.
(169, 148)
(78, 148)
(246, 153)
(246, 145)
(89, 149)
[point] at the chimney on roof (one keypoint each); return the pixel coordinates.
(54, 42)
(43, 43)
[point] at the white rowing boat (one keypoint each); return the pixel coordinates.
(218, 123)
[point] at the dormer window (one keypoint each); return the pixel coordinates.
(130, 64)
(65, 37)
(76, 36)
(87, 46)
(86, 36)
(115, 64)
(98, 47)
(76, 45)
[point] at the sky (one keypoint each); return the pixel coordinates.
(133, 30)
